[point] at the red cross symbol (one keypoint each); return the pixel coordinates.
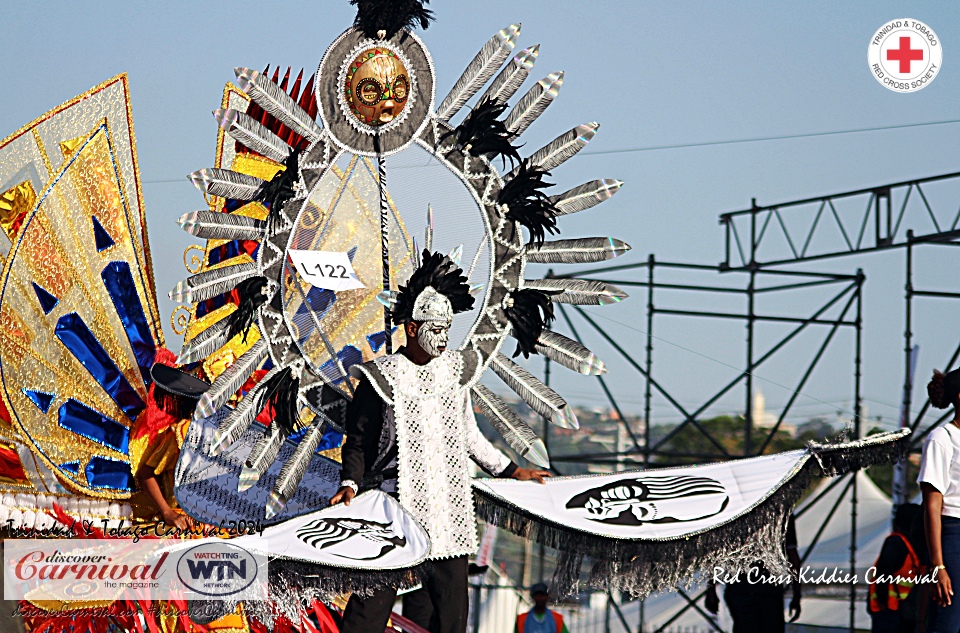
(905, 54)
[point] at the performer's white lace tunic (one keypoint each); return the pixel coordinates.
(436, 433)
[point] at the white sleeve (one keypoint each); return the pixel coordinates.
(487, 456)
(935, 464)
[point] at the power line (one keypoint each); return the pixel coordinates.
(765, 138)
(653, 148)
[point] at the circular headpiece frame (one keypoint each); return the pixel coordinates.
(375, 96)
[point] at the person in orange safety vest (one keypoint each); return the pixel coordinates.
(893, 599)
(540, 619)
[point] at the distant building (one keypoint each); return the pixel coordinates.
(764, 420)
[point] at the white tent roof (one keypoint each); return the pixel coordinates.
(833, 547)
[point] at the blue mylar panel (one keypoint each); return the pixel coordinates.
(119, 283)
(348, 356)
(331, 438)
(377, 339)
(103, 472)
(71, 467)
(100, 236)
(40, 398)
(47, 301)
(82, 420)
(77, 337)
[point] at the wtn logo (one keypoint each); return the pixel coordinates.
(224, 569)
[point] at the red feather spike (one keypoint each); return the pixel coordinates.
(313, 103)
(295, 91)
(286, 79)
(307, 96)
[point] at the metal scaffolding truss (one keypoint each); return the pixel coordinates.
(842, 308)
(841, 224)
(759, 243)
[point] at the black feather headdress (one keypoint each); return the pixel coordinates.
(529, 312)
(483, 133)
(280, 188)
(390, 16)
(281, 392)
(524, 202)
(439, 272)
(252, 296)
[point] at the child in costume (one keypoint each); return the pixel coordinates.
(410, 430)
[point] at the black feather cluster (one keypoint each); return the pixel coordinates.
(174, 404)
(391, 16)
(483, 133)
(281, 392)
(280, 188)
(531, 311)
(527, 204)
(252, 296)
(438, 271)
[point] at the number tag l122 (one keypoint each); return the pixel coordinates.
(330, 270)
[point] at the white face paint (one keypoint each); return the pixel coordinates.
(434, 313)
(433, 336)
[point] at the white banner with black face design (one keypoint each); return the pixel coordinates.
(372, 533)
(659, 504)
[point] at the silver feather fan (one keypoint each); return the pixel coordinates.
(277, 103)
(532, 104)
(205, 343)
(512, 76)
(479, 71)
(562, 148)
(578, 291)
(232, 378)
(570, 354)
(539, 396)
(252, 134)
(212, 225)
(211, 283)
(508, 424)
(585, 196)
(261, 456)
(296, 465)
(584, 250)
(226, 184)
(239, 420)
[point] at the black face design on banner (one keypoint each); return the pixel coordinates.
(668, 499)
(323, 533)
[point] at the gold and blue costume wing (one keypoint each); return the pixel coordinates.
(79, 317)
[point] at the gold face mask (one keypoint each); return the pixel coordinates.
(377, 86)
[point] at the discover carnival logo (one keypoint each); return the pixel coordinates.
(905, 55)
(151, 569)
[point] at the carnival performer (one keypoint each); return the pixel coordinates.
(939, 481)
(410, 431)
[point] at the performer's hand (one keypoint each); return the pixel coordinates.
(177, 520)
(711, 601)
(526, 474)
(795, 605)
(345, 494)
(943, 593)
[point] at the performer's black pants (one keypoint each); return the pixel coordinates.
(759, 611)
(440, 608)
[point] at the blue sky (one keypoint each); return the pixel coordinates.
(652, 74)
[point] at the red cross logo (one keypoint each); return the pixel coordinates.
(905, 54)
